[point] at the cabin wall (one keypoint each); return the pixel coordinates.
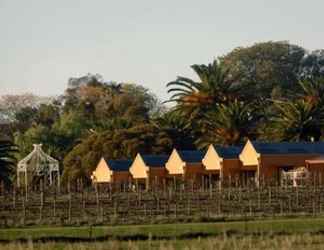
(271, 164)
(317, 172)
(211, 160)
(286, 159)
(102, 173)
(231, 168)
(174, 164)
(157, 176)
(194, 172)
(138, 169)
(249, 156)
(121, 177)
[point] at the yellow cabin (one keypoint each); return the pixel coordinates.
(149, 170)
(111, 171)
(268, 162)
(186, 165)
(222, 163)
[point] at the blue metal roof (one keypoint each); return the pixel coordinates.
(119, 165)
(230, 152)
(191, 156)
(155, 160)
(289, 147)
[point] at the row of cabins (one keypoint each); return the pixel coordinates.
(255, 162)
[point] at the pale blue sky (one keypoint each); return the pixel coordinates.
(44, 42)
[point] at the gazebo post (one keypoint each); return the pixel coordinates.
(26, 184)
(50, 177)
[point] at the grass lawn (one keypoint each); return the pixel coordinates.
(166, 231)
(250, 242)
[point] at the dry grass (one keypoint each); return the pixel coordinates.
(291, 242)
(300, 225)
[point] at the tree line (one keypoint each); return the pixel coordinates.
(270, 91)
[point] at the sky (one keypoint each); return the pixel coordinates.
(44, 42)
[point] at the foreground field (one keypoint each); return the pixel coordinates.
(266, 242)
(298, 233)
(166, 231)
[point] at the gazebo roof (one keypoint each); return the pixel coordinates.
(38, 160)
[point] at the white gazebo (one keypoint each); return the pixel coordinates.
(38, 164)
(295, 177)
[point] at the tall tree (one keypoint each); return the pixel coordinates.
(267, 68)
(114, 144)
(178, 129)
(302, 117)
(98, 101)
(24, 118)
(10, 104)
(215, 85)
(311, 90)
(312, 65)
(298, 120)
(230, 124)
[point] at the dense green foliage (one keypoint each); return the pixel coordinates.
(266, 91)
(77, 127)
(269, 91)
(7, 161)
(115, 144)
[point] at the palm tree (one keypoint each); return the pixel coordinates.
(215, 85)
(177, 128)
(312, 90)
(7, 161)
(230, 124)
(299, 120)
